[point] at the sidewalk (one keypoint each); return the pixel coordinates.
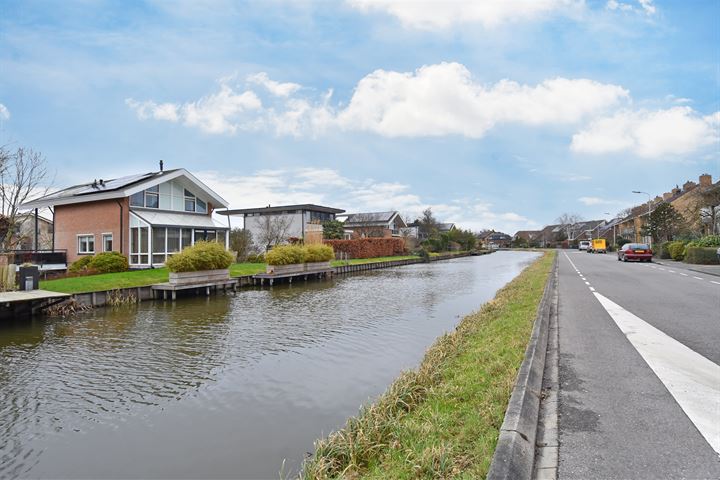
(707, 269)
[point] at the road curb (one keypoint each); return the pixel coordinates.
(687, 268)
(515, 451)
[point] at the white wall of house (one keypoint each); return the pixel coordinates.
(172, 197)
(257, 225)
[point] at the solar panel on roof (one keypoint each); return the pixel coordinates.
(114, 184)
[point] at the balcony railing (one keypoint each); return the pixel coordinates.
(39, 257)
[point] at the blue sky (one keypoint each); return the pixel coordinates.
(497, 114)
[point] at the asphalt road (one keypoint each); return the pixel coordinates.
(637, 401)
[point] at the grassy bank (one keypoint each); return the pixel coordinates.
(442, 420)
(140, 278)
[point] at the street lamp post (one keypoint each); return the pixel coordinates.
(649, 206)
(614, 224)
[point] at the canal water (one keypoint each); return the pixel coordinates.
(231, 386)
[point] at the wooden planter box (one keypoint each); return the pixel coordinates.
(202, 276)
(315, 266)
(285, 269)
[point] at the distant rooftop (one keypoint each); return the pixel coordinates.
(369, 218)
(281, 208)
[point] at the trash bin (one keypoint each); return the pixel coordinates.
(29, 277)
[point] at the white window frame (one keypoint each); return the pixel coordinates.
(81, 236)
(102, 236)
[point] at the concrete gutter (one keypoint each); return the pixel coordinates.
(515, 451)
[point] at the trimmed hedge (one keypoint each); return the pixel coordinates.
(286, 255)
(664, 251)
(201, 256)
(706, 241)
(701, 255)
(369, 247)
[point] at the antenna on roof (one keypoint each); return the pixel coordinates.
(161, 165)
(102, 184)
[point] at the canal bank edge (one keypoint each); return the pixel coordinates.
(514, 456)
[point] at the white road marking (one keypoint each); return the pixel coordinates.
(697, 278)
(660, 268)
(671, 271)
(684, 274)
(592, 289)
(713, 281)
(689, 377)
(587, 283)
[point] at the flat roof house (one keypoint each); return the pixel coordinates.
(375, 224)
(274, 225)
(146, 217)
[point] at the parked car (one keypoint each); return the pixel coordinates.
(635, 251)
(584, 245)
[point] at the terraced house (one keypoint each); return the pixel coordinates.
(146, 217)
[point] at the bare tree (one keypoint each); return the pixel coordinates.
(568, 221)
(273, 230)
(23, 175)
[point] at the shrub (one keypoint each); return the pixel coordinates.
(706, 241)
(109, 262)
(677, 250)
(701, 255)
(319, 253)
(286, 255)
(256, 258)
(80, 265)
(664, 251)
(369, 247)
(201, 256)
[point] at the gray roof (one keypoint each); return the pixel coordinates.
(445, 227)
(369, 218)
(279, 209)
(116, 188)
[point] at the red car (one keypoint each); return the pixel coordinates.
(635, 251)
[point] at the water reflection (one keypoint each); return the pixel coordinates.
(226, 386)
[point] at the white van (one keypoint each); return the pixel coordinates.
(584, 245)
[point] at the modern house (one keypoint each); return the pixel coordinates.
(495, 240)
(275, 225)
(146, 217)
(375, 224)
(529, 237)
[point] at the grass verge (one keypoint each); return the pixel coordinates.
(443, 419)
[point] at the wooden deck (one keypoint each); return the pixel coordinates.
(271, 277)
(25, 303)
(207, 287)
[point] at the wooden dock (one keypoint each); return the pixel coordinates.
(304, 275)
(170, 289)
(28, 302)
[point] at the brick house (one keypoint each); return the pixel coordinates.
(375, 224)
(146, 217)
(493, 240)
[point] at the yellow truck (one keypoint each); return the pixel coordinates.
(598, 246)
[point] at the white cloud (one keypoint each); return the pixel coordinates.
(435, 100)
(4, 112)
(442, 14)
(590, 201)
(221, 112)
(644, 6)
(302, 185)
(650, 134)
(276, 88)
(443, 99)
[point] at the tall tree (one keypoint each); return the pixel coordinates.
(427, 224)
(665, 223)
(273, 230)
(333, 230)
(241, 243)
(23, 175)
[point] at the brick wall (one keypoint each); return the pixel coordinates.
(93, 218)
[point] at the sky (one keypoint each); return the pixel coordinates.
(498, 114)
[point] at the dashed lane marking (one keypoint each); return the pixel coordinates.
(689, 377)
(697, 278)
(713, 281)
(684, 274)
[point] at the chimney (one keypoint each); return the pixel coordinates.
(161, 165)
(687, 186)
(676, 190)
(705, 180)
(102, 184)
(667, 195)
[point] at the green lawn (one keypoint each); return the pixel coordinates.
(139, 278)
(443, 419)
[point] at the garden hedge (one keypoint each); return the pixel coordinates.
(677, 250)
(701, 255)
(286, 255)
(201, 256)
(369, 247)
